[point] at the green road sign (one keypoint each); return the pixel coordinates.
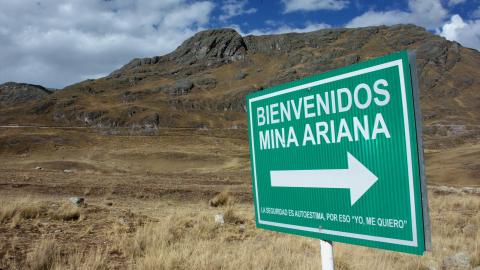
(338, 156)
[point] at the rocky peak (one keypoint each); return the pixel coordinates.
(222, 44)
(20, 92)
(209, 46)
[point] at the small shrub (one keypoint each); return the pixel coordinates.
(231, 217)
(223, 198)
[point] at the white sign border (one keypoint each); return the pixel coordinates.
(399, 64)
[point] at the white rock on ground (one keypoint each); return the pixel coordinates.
(77, 200)
(219, 219)
(460, 260)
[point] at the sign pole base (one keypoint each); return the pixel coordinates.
(326, 252)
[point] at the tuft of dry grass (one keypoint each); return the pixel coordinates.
(43, 256)
(27, 208)
(94, 259)
(230, 216)
(20, 209)
(66, 212)
(223, 198)
(46, 255)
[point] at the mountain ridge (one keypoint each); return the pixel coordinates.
(203, 83)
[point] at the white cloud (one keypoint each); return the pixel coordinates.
(282, 29)
(55, 43)
(449, 30)
(466, 33)
(313, 5)
(427, 13)
(232, 8)
(456, 2)
(309, 27)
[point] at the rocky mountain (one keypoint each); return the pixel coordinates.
(203, 83)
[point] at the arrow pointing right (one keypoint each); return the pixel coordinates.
(357, 178)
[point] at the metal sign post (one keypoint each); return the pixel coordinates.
(326, 251)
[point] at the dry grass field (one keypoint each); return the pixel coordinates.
(40, 234)
(148, 205)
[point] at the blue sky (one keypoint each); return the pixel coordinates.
(59, 42)
(273, 16)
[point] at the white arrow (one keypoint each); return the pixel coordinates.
(357, 178)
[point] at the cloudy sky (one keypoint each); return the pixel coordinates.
(57, 42)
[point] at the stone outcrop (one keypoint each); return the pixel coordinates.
(13, 92)
(217, 44)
